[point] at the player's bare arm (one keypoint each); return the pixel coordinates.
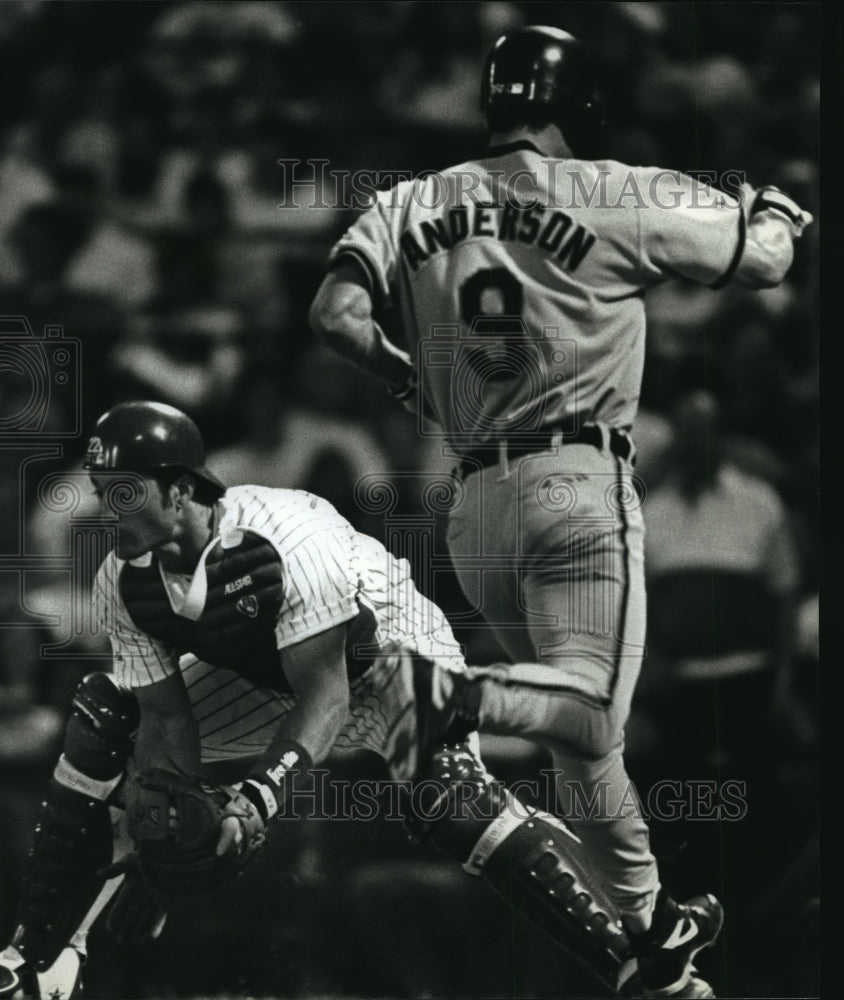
(342, 316)
(168, 735)
(316, 670)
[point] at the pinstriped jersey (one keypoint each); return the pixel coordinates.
(331, 574)
(520, 282)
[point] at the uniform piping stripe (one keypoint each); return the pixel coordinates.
(361, 259)
(726, 277)
(625, 595)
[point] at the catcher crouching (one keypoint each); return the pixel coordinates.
(256, 625)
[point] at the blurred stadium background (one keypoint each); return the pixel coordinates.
(139, 209)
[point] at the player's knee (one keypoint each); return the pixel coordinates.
(601, 744)
(98, 738)
(599, 739)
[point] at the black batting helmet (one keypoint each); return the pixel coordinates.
(143, 437)
(540, 75)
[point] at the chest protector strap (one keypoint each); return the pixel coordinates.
(236, 627)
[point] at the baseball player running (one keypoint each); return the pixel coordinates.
(519, 279)
(254, 625)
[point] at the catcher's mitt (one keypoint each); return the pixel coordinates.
(176, 820)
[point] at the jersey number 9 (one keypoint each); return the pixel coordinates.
(491, 304)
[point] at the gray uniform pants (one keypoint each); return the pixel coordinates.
(550, 549)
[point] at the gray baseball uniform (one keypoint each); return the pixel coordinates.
(520, 282)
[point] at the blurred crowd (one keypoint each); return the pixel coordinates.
(141, 210)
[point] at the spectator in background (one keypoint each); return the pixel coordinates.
(189, 345)
(301, 440)
(114, 262)
(246, 262)
(229, 70)
(192, 356)
(47, 237)
(724, 693)
(23, 183)
(722, 579)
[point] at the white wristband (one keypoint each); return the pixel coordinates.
(267, 796)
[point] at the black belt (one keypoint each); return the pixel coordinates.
(619, 444)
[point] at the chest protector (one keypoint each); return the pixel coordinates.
(236, 629)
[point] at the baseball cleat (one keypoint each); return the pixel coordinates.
(10, 981)
(12, 968)
(666, 951)
(19, 981)
(63, 979)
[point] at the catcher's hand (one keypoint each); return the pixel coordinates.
(190, 835)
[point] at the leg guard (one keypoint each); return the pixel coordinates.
(98, 738)
(528, 858)
(139, 912)
(73, 838)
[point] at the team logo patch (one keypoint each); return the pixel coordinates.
(95, 455)
(248, 605)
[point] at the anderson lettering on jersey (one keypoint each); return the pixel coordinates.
(551, 230)
(520, 282)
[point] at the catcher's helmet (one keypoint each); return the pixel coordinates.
(142, 437)
(540, 73)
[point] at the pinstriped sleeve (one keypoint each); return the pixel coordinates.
(320, 587)
(138, 659)
(317, 548)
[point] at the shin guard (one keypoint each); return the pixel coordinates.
(529, 858)
(73, 838)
